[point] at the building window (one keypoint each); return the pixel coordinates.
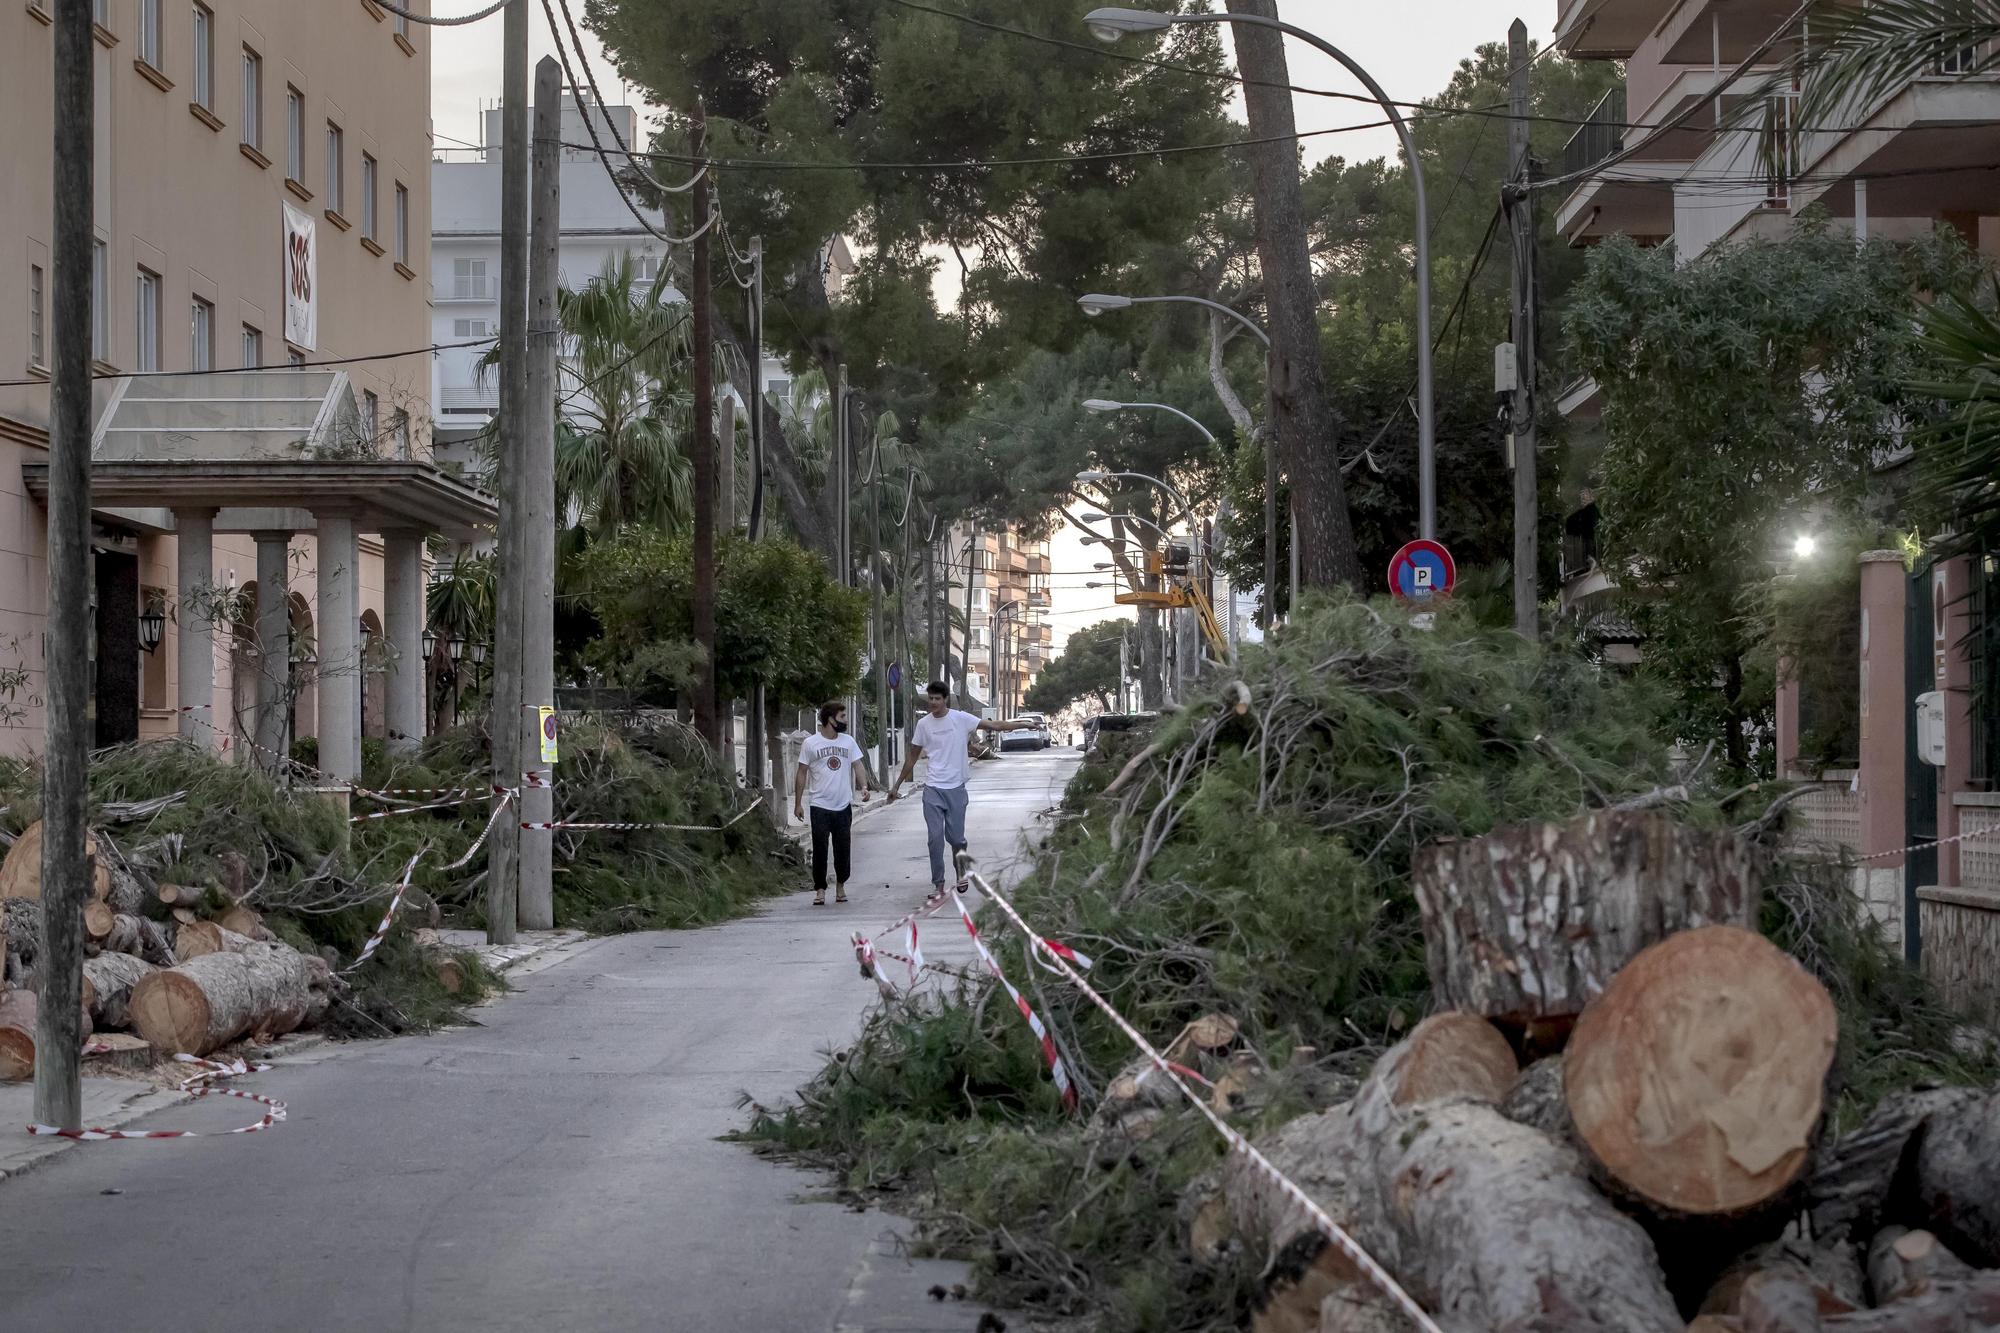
(100, 13)
(401, 426)
(367, 197)
(253, 347)
(402, 224)
(403, 26)
(295, 135)
(371, 416)
(294, 357)
(201, 336)
(38, 351)
(335, 150)
(147, 353)
(468, 279)
(100, 301)
(150, 22)
(253, 98)
(469, 328)
(204, 57)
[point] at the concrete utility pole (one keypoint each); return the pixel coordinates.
(510, 566)
(972, 550)
(753, 727)
(878, 628)
(536, 909)
(1521, 216)
(701, 294)
(65, 866)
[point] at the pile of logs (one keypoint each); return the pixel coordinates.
(182, 981)
(1617, 1124)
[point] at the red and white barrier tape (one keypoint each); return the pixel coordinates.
(452, 804)
(499, 809)
(1056, 1069)
(274, 1110)
(577, 825)
(1967, 836)
(916, 957)
(931, 905)
(538, 778)
(382, 931)
(1061, 950)
(1377, 1276)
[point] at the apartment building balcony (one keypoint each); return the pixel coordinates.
(469, 401)
(1720, 34)
(466, 291)
(1924, 152)
(1604, 29)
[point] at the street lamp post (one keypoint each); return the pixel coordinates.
(1110, 24)
(994, 691)
(1096, 303)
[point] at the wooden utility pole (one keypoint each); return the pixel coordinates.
(700, 292)
(1308, 427)
(510, 557)
(536, 907)
(972, 553)
(1520, 209)
(753, 725)
(877, 627)
(65, 864)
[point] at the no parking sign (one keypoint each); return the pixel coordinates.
(548, 720)
(1422, 571)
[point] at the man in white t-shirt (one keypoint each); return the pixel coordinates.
(829, 768)
(941, 736)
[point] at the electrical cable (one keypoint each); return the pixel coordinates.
(427, 350)
(590, 75)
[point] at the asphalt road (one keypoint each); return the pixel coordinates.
(555, 1167)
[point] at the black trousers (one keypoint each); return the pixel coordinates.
(834, 825)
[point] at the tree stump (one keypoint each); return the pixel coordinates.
(217, 998)
(1527, 924)
(21, 871)
(196, 939)
(1698, 1078)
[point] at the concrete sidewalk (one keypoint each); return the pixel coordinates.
(556, 1166)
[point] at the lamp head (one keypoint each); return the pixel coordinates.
(1108, 25)
(1093, 476)
(1100, 405)
(1096, 303)
(1804, 546)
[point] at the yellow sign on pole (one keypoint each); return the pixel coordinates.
(548, 718)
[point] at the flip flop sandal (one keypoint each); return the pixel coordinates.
(840, 897)
(819, 900)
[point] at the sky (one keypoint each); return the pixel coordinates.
(1411, 47)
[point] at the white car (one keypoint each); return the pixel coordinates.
(1034, 737)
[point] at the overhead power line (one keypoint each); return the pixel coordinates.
(440, 20)
(427, 350)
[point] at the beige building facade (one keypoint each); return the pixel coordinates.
(231, 135)
(1011, 638)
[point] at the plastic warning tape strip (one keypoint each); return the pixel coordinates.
(1967, 836)
(1056, 1069)
(274, 1110)
(546, 825)
(931, 905)
(499, 809)
(1372, 1270)
(382, 931)
(452, 804)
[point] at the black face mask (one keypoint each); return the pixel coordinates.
(840, 726)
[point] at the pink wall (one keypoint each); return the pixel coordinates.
(1884, 588)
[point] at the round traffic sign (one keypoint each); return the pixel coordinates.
(549, 727)
(1422, 570)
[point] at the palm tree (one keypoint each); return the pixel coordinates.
(623, 407)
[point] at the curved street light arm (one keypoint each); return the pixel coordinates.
(1217, 306)
(1187, 510)
(1206, 433)
(1426, 409)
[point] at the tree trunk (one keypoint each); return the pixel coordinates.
(17, 1035)
(1971, 1305)
(1218, 376)
(1868, 1175)
(1908, 1263)
(1528, 923)
(1697, 1080)
(21, 871)
(108, 982)
(1309, 428)
(245, 921)
(141, 937)
(215, 999)
(1958, 1177)
(1832, 1273)
(1735, 744)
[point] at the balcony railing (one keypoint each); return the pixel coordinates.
(1601, 134)
(468, 289)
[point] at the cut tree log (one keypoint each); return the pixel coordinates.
(98, 919)
(1958, 1177)
(246, 922)
(17, 1035)
(141, 936)
(1868, 1175)
(449, 969)
(1697, 1079)
(108, 982)
(1971, 1305)
(1536, 1100)
(1775, 1301)
(1831, 1271)
(1903, 1263)
(214, 999)
(1528, 923)
(117, 1050)
(196, 939)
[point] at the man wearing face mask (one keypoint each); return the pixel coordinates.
(829, 768)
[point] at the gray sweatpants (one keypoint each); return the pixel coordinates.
(944, 820)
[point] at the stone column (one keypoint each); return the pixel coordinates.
(1884, 720)
(403, 624)
(274, 646)
(339, 648)
(194, 546)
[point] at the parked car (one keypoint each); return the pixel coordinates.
(1035, 737)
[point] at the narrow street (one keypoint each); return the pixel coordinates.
(556, 1167)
